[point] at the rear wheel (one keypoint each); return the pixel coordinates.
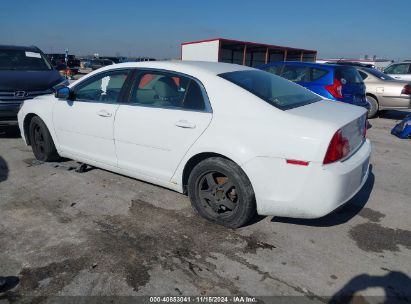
(373, 107)
(220, 191)
(41, 141)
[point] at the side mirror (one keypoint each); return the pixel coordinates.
(63, 93)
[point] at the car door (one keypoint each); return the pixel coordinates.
(84, 126)
(399, 71)
(166, 114)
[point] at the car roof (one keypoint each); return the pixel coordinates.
(187, 67)
(19, 48)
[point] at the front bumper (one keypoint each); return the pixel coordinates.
(8, 112)
(309, 191)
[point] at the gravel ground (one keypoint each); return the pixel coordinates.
(97, 233)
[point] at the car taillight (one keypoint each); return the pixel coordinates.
(406, 90)
(339, 148)
(335, 89)
(365, 128)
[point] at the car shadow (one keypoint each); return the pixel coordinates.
(393, 114)
(10, 283)
(4, 170)
(342, 214)
(9, 131)
(396, 286)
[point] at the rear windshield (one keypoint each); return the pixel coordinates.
(378, 74)
(23, 61)
(348, 75)
(275, 90)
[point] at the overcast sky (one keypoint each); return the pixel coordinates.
(344, 28)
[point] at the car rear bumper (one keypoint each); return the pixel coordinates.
(309, 191)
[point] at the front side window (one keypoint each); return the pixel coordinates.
(167, 90)
(397, 69)
(22, 60)
(105, 87)
(275, 90)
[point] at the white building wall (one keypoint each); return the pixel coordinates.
(202, 51)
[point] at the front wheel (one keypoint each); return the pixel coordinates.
(221, 192)
(41, 141)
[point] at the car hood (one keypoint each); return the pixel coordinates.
(29, 80)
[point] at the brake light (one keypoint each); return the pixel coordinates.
(365, 128)
(339, 148)
(335, 89)
(406, 90)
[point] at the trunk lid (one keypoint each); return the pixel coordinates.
(351, 120)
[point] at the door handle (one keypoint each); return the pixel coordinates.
(185, 124)
(103, 113)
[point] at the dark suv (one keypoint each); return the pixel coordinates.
(25, 73)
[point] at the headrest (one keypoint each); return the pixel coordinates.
(165, 87)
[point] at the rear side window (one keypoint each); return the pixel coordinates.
(167, 90)
(275, 90)
(377, 74)
(274, 69)
(295, 73)
(317, 73)
(347, 75)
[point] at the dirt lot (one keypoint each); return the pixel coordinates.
(98, 233)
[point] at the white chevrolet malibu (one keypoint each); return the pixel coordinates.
(237, 140)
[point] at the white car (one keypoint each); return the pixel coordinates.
(237, 140)
(399, 70)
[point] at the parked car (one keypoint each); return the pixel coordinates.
(59, 63)
(384, 92)
(99, 63)
(399, 70)
(238, 140)
(25, 73)
(351, 63)
(335, 82)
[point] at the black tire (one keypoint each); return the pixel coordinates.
(221, 192)
(374, 107)
(41, 141)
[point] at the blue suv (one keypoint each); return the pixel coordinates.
(332, 81)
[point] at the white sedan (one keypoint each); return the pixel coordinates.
(237, 140)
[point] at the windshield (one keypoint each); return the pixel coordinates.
(275, 90)
(22, 60)
(379, 74)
